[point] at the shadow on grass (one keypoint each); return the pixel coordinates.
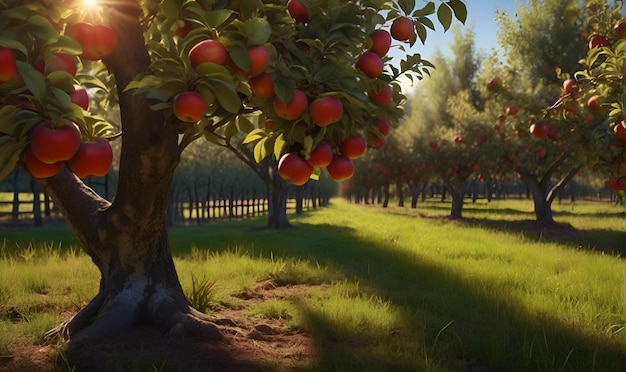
(446, 322)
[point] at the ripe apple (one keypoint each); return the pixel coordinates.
(384, 127)
(97, 41)
(93, 159)
(208, 51)
(184, 29)
(80, 97)
(620, 130)
(511, 110)
(262, 85)
(326, 110)
(321, 155)
(294, 108)
(39, 169)
(353, 147)
(190, 106)
(494, 83)
(402, 29)
(598, 41)
(538, 130)
(540, 153)
(620, 28)
(298, 11)
(554, 134)
(496, 127)
(381, 42)
(294, 168)
(51, 145)
(60, 61)
(570, 86)
(383, 97)
(458, 139)
(370, 63)
(340, 168)
(593, 103)
(375, 140)
(8, 67)
(259, 57)
(621, 183)
(502, 118)
(269, 125)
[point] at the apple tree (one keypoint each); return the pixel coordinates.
(181, 71)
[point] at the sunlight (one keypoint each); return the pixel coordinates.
(90, 4)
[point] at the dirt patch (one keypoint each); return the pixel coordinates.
(249, 344)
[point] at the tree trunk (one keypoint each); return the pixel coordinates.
(127, 240)
(386, 195)
(456, 190)
(400, 190)
(277, 203)
(538, 191)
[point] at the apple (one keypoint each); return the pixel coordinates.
(593, 103)
(620, 28)
(189, 106)
(80, 97)
(496, 127)
(340, 168)
(381, 42)
(540, 153)
(184, 29)
(97, 41)
(208, 51)
(353, 147)
(494, 83)
(621, 183)
(294, 108)
(538, 130)
(8, 66)
(376, 141)
(298, 11)
(39, 169)
(259, 57)
(321, 155)
(93, 159)
(598, 41)
(384, 127)
(554, 134)
(262, 85)
(370, 63)
(511, 110)
(269, 125)
(294, 168)
(620, 130)
(433, 144)
(458, 139)
(570, 86)
(60, 61)
(502, 118)
(402, 29)
(326, 110)
(383, 97)
(51, 145)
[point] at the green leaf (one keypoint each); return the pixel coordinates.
(90, 81)
(211, 137)
(239, 55)
(13, 44)
(421, 31)
(244, 124)
(33, 79)
(258, 31)
(7, 119)
(170, 8)
(231, 129)
(260, 152)
(444, 14)
(279, 146)
(254, 135)
(67, 45)
(41, 28)
(407, 6)
(427, 10)
(460, 10)
(226, 96)
(216, 18)
(10, 151)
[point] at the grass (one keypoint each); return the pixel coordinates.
(402, 292)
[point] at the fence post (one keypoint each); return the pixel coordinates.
(36, 204)
(15, 213)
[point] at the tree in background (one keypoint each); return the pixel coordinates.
(180, 71)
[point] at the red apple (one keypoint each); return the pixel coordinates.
(294, 168)
(39, 169)
(593, 103)
(208, 51)
(621, 183)
(458, 139)
(553, 134)
(383, 97)
(538, 130)
(189, 107)
(384, 127)
(259, 58)
(620, 28)
(298, 11)
(61, 62)
(402, 29)
(540, 153)
(184, 29)
(598, 41)
(570, 86)
(354, 146)
(262, 85)
(97, 41)
(269, 125)
(496, 127)
(502, 118)
(620, 130)
(80, 97)
(381, 42)
(326, 110)
(8, 66)
(511, 110)
(93, 159)
(51, 145)
(340, 168)
(321, 155)
(433, 144)
(370, 63)
(494, 83)
(294, 108)
(375, 140)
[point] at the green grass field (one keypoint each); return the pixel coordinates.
(404, 289)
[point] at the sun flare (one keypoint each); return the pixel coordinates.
(91, 3)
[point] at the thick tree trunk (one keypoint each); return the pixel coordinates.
(543, 195)
(277, 203)
(400, 191)
(386, 192)
(456, 189)
(127, 240)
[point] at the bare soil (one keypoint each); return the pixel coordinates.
(248, 345)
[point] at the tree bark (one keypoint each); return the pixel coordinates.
(127, 239)
(456, 190)
(277, 203)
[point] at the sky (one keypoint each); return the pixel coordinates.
(481, 16)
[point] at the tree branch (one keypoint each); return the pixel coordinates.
(556, 189)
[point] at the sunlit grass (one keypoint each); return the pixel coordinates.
(400, 292)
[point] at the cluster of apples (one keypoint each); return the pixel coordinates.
(51, 145)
